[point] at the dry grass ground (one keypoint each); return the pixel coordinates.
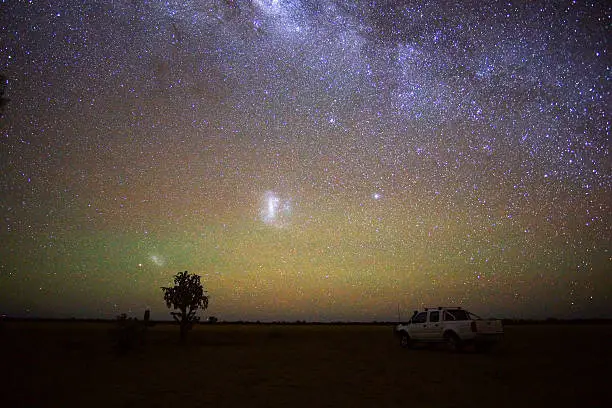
(72, 364)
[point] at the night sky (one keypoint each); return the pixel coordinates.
(318, 160)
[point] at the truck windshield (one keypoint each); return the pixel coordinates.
(456, 315)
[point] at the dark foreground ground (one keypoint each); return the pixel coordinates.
(73, 364)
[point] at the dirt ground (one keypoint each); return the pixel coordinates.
(53, 364)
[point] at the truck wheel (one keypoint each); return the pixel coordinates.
(405, 341)
(453, 342)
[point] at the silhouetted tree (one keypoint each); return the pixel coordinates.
(187, 295)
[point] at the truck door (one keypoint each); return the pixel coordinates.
(419, 326)
(433, 331)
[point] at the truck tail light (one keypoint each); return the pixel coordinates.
(473, 327)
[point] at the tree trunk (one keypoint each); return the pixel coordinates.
(184, 325)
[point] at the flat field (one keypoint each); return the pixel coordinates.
(62, 364)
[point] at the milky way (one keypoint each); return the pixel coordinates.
(315, 160)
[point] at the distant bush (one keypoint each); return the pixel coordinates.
(128, 334)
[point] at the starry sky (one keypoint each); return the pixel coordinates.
(318, 160)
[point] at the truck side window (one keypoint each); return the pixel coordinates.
(462, 315)
(434, 316)
(456, 315)
(420, 318)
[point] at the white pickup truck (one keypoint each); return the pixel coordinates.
(451, 325)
